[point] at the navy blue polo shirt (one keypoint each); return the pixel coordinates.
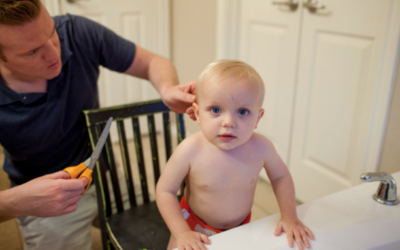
(45, 132)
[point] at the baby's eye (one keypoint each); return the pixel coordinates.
(215, 110)
(243, 112)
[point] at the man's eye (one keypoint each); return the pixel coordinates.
(243, 112)
(32, 52)
(215, 110)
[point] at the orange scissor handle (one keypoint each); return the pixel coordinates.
(80, 171)
(88, 175)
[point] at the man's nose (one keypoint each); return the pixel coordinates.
(50, 52)
(228, 121)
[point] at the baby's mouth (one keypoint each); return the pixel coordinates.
(226, 137)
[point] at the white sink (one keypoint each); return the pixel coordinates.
(349, 219)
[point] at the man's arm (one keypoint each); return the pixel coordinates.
(46, 196)
(162, 74)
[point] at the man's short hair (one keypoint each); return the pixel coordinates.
(236, 70)
(18, 12)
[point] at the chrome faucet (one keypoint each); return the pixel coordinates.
(387, 189)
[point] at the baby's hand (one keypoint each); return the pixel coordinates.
(191, 240)
(294, 228)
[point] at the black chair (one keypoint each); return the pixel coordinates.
(140, 226)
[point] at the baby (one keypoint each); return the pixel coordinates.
(221, 163)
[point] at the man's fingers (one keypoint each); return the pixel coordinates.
(190, 110)
(74, 184)
(189, 98)
(70, 209)
(57, 175)
(85, 181)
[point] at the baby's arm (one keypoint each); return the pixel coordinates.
(283, 186)
(175, 171)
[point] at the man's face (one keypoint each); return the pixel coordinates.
(228, 111)
(32, 50)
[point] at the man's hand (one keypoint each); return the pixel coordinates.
(191, 240)
(47, 196)
(179, 98)
(294, 228)
(162, 74)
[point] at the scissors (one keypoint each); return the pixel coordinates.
(85, 169)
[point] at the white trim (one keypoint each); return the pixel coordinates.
(384, 91)
(228, 23)
(164, 28)
(52, 6)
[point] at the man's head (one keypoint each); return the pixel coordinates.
(29, 45)
(229, 97)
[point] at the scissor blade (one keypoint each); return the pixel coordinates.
(99, 146)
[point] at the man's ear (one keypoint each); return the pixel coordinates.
(196, 112)
(260, 114)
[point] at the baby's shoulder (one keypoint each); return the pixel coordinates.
(190, 143)
(261, 143)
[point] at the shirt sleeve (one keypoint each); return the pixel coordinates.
(106, 48)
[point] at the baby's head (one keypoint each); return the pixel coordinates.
(229, 96)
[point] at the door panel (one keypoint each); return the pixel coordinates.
(269, 43)
(141, 22)
(146, 23)
(342, 48)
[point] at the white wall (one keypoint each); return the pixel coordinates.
(193, 24)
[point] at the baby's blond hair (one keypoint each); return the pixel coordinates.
(234, 69)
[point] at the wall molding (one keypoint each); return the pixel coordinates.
(228, 31)
(383, 91)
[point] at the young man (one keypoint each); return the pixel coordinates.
(221, 163)
(48, 75)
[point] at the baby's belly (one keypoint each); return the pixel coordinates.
(221, 211)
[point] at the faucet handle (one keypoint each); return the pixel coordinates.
(387, 189)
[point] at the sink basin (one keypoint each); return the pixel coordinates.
(349, 219)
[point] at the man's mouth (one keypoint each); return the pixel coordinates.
(54, 65)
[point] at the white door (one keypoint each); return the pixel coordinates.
(347, 59)
(269, 43)
(146, 23)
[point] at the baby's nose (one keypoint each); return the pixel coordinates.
(228, 121)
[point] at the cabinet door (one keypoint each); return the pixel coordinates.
(347, 59)
(269, 43)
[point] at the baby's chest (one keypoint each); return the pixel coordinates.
(215, 172)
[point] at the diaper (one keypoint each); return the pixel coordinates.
(197, 224)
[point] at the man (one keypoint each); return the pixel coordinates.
(48, 75)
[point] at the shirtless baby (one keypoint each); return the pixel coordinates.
(221, 163)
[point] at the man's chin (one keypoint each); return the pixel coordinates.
(53, 74)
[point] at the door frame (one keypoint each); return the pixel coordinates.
(228, 20)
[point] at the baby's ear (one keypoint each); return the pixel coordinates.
(196, 111)
(260, 114)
